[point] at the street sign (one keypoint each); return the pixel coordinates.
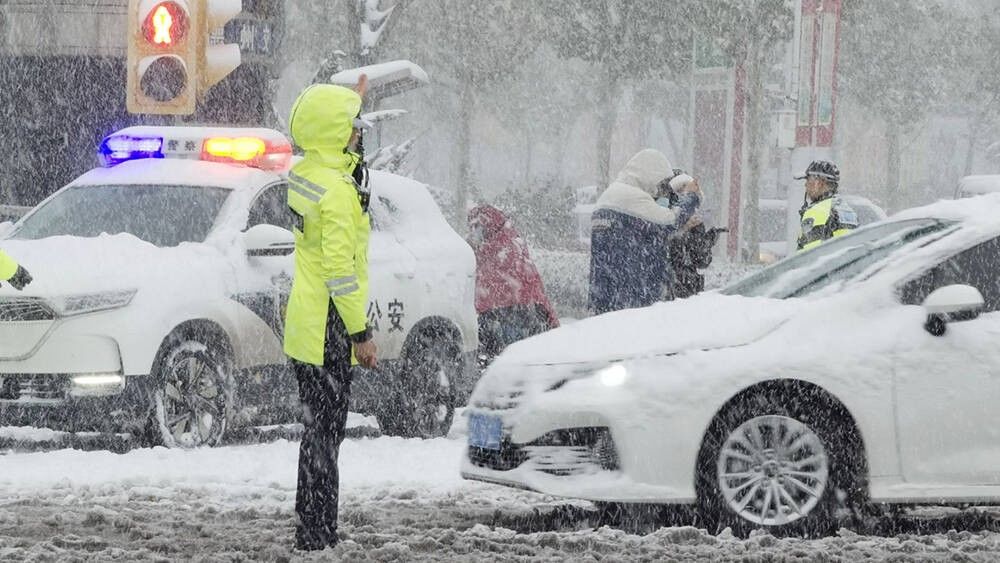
(255, 37)
(819, 45)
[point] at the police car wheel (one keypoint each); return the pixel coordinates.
(192, 398)
(424, 405)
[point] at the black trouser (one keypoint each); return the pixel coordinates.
(324, 393)
(503, 326)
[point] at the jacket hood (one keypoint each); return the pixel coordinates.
(322, 121)
(490, 218)
(646, 170)
(702, 322)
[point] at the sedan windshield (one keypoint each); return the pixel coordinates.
(839, 259)
(162, 215)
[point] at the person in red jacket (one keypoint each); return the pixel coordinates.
(510, 297)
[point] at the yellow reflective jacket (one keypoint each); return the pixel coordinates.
(824, 219)
(331, 242)
(8, 267)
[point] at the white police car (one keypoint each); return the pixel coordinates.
(160, 285)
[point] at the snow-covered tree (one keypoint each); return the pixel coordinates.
(468, 47)
(627, 41)
(540, 105)
(893, 63)
(372, 20)
(973, 85)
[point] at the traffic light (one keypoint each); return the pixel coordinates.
(162, 57)
(171, 58)
(217, 60)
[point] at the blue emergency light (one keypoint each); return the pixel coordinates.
(120, 148)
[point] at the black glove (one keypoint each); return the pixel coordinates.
(714, 233)
(21, 278)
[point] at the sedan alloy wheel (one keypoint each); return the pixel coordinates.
(773, 470)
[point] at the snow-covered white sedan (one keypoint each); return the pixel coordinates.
(160, 282)
(866, 370)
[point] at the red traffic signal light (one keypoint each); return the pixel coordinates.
(171, 54)
(163, 56)
(166, 24)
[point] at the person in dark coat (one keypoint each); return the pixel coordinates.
(689, 252)
(690, 248)
(630, 232)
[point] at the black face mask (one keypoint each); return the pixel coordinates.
(666, 191)
(360, 174)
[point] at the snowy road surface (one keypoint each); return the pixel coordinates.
(403, 500)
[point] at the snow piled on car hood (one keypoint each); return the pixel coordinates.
(66, 265)
(702, 322)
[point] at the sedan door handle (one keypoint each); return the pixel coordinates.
(404, 275)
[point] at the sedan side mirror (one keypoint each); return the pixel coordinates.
(951, 303)
(269, 240)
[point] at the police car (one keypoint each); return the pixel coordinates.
(161, 280)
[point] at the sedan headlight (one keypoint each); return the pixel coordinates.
(614, 375)
(92, 302)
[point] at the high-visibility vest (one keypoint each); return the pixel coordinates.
(825, 219)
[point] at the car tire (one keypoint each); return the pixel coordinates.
(422, 403)
(192, 395)
(775, 463)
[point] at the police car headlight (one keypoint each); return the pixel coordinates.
(99, 380)
(614, 375)
(97, 384)
(92, 302)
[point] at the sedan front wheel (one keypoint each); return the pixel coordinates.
(772, 470)
(777, 462)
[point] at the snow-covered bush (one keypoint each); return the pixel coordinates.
(566, 275)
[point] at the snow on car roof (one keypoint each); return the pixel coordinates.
(420, 214)
(984, 209)
(981, 184)
(178, 172)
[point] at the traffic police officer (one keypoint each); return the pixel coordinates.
(824, 214)
(13, 273)
(326, 325)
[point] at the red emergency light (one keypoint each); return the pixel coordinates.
(249, 151)
(166, 24)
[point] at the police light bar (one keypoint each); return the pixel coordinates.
(265, 149)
